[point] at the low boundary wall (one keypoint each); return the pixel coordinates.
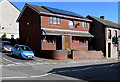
(55, 54)
(79, 54)
(74, 54)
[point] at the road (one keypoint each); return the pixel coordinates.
(16, 69)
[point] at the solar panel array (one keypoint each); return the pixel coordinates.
(63, 12)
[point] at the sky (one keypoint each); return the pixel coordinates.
(107, 9)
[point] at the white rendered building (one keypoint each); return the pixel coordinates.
(8, 16)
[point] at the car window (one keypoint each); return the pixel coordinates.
(6, 43)
(25, 48)
(16, 47)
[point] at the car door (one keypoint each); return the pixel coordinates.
(16, 50)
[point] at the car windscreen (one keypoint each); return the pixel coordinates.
(6, 43)
(24, 48)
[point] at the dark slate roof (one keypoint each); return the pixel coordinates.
(39, 8)
(106, 22)
(64, 12)
(56, 11)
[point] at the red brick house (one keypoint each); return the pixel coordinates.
(45, 28)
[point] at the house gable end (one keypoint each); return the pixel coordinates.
(96, 19)
(10, 4)
(24, 8)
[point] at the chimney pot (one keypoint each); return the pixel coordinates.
(102, 17)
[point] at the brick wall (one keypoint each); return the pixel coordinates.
(76, 54)
(77, 46)
(55, 54)
(29, 29)
(47, 46)
(64, 24)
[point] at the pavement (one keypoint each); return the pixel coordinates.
(82, 62)
(110, 60)
(38, 60)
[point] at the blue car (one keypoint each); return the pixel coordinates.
(22, 51)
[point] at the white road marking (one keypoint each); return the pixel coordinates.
(9, 60)
(64, 71)
(12, 77)
(54, 63)
(9, 65)
(41, 75)
(112, 65)
(46, 63)
(76, 70)
(1, 65)
(87, 68)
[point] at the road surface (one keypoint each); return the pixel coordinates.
(16, 69)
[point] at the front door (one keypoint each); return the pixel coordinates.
(109, 50)
(67, 42)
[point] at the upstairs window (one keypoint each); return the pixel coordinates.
(109, 34)
(84, 24)
(55, 21)
(71, 24)
(116, 33)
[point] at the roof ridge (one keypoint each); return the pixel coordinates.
(103, 19)
(60, 9)
(105, 22)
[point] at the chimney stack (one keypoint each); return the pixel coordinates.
(102, 17)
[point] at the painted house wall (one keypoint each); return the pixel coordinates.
(30, 29)
(114, 47)
(119, 39)
(8, 17)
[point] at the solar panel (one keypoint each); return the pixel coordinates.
(64, 12)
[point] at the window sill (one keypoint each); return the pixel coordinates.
(85, 27)
(51, 44)
(55, 25)
(83, 44)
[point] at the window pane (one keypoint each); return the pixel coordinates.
(51, 21)
(115, 33)
(71, 24)
(82, 24)
(85, 24)
(109, 34)
(58, 21)
(54, 20)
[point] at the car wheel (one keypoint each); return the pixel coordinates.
(20, 56)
